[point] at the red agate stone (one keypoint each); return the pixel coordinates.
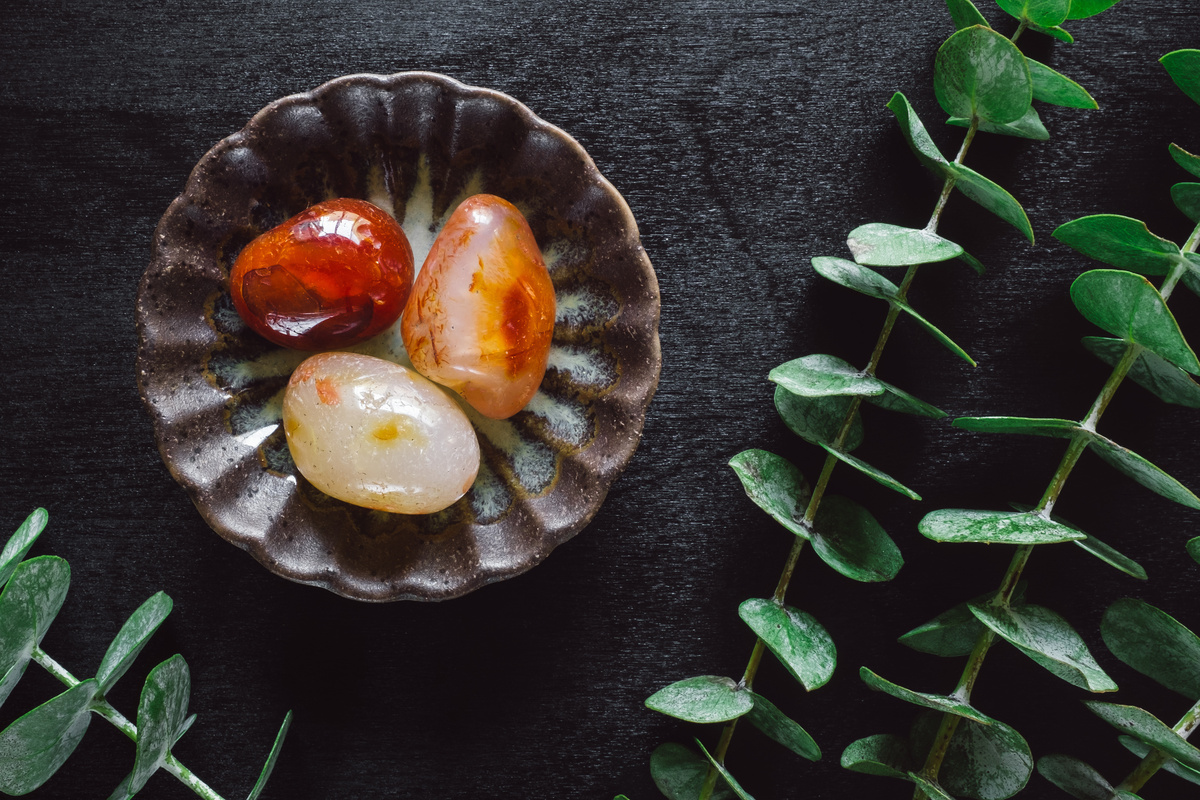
(333, 275)
(481, 314)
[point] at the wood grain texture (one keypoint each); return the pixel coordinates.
(747, 138)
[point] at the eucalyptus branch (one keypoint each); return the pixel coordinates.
(38, 743)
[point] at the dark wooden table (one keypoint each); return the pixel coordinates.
(747, 138)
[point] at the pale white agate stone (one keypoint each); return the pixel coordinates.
(376, 434)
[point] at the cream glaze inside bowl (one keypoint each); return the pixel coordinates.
(416, 144)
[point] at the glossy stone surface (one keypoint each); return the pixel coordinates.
(333, 275)
(378, 435)
(481, 314)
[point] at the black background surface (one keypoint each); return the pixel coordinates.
(747, 138)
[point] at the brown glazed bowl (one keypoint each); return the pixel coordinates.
(415, 144)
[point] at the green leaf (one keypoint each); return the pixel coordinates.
(1185, 159)
(776, 486)
(20, 542)
(937, 702)
(1109, 555)
(1049, 640)
(855, 277)
(884, 754)
(965, 14)
(1075, 777)
(1034, 426)
(1055, 32)
(1155, 644)
(130, 640)
(994, 527)
(1141, 750)
(991, 196)
(1193, 548)
(1191, 275)
(817, 419)
(707, 698)
(979, 73)
(1146, 727)
(17, 638)
(879, 244)
(34, 746)
(775, 724)
(273, 756)
(1082, 9)
(679, 773)
(1187, 199)
(983, 762)
(896, 399)
(719, 767)
(931, 788)
(1028, 126)
(1142, 471)
(952, 633)
(820, 375)
(1057, 89)
(871, 472)
(1184, 68)
(1046, 13)
(1129, 307)
(161, 713)
(917, 136)
(946, 341)
(848, 538)
(28, 605)
(800, 643)
(1150, 371)
(1120, 241)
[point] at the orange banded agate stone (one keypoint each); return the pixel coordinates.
(481, 314)
(333, 275)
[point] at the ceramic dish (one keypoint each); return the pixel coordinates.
(415, 144)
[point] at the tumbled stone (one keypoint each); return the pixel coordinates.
(378, 435)
(481, 314)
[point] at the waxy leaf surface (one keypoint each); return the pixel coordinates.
(1184, 68)
(931, 788)
(952, 633)
(20, 542)
(1075, 777)
(984, 762)
(1034, 426)
(965, 14)
(848, 538)
(720, 768)
(1028, 126)
(776, 486)
(979, 73)
(273, 756)
(1152, 372)
(1082, 9)
(884, 754)
(783, 729)
(1149, 729)
(34, 746)
(1187, 199)
(161, 713)
(991, 196)
(1129, 307)
(1049, 640)
(871, 472)
(706, 698)
(936, 702)
(879, 244)
(818, 419)
(130, 640)
(994, 527)
(1057, 89)
(1120, 241)
(30, 601)
(17, 638)
(800, 643)
(1046, 13)
(820, 375)
(679, 773)
(1141, 750)
(917, 136)
(1155, 644)
(1142, 471)
(1109, 555)
(1187, 160)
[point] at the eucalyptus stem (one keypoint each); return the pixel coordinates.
(104, 709)
(831, 461)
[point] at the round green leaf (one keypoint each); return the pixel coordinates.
(1184, 68)
(991, 196)
(994, 527)
(983, 762)
(1155, 644)
(775, 724)
(1045, 13)
(34, 746)
(848, 538)
(1151, 372)
(707, 698)
(818, 419)
(161, 713)
(1187, 199)
(776, 486)
(1082, 9)
(965, 14)
(1129, 307)
(800, 643)
(679, 773)
(937, 702)
(1075, 777)
(1120, 241)
(1057, 89)
(884, 754)
(1146, 727)
(20, 542)
(1185, 159)
(952, 633)
(856, 277)
(931, 789)
(1028, 126)
(821, 375)
(1049, 640)
(879, 244)
(916, 135)
(18, 635)
(979, 73)
(130, 640)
